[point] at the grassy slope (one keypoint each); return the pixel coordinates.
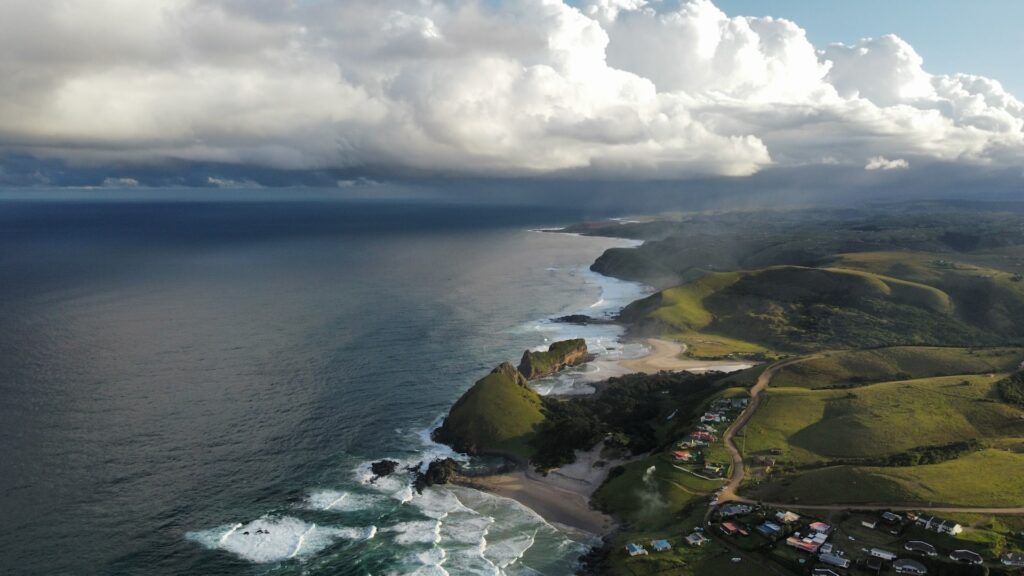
(845, 368)
(880, 419)
(799, 309)
(499, 413)
(986, 478)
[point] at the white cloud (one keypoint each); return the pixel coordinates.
(619, 88)
(883, 163)
(120, 183)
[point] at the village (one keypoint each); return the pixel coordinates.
(840, 543)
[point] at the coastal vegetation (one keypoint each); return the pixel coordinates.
(500, 413)
(558, 356)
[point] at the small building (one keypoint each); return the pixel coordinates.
(820, 527)
(907, 566)
(966, 557)
(660, 545)
(939, 525)
(735, 510)
(713, 469)
(823, 572)
(1013, 559)
(770, 529)
(787, 517)
(826, 548)
(834, 560)
(807, 544)
(682, 456)
(883, 554)
(696, 539)
(729, 528)
(869, 524)
(891, 518)
(635, 550)
(921, 548)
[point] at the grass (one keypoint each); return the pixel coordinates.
(989, 478)
(880, 419)
(551, 360)
(855, 367)
(499, 413)
(798, 309)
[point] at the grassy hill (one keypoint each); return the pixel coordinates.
(880, 419)
(499, 413)
(856, 367)
(797, 309)
(985, 478)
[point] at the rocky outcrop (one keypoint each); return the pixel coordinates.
(497, 415)
(581, 320)
(559, 356)
(383, 468)
(438, 472)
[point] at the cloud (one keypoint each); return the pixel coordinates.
(883, 163)
(120, 183)
(613, 88)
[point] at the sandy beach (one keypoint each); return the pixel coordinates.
(668, 355)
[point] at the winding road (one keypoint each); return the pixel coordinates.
(729, 491)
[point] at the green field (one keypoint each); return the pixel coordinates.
(987, 478)
(879, 419)
(800, 309)
(855, 367)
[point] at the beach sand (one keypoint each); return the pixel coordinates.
(561, 497)
(667, 355)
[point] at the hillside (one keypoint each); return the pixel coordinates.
(499, 413)
(799, 309)
(849, 368)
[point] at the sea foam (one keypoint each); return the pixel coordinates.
(271, 539)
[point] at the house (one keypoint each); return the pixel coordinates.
(712, 417)
(682, 456)
(1014, 560)
(834, 560)
(787, 517)
(808, 543)
(713, 469)
(826, 549)
(921, 548)
(820, 527)
(696, 539)
(883, 554)
(966, 557)
(635, 550)
(907, 566)
(660, 545)
(891, 518)
(939, 525)
(729, 528)
(770, 529)
(735, 510)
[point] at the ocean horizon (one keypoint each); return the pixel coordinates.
(199, 387)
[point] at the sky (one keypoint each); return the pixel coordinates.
(231, 93)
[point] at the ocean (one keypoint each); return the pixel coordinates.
(198, 386)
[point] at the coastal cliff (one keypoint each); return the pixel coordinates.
(499, 413)
(558, 356)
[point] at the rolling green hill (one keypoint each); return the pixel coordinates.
(880, 419)
(798, 309)
(498, 414)
(849, 368)
(985, 478)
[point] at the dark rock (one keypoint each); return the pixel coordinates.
(438, 472)
(383, 468)
(581, 320)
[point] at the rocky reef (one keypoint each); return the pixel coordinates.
(558, 356)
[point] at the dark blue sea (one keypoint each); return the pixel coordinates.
(197, 385)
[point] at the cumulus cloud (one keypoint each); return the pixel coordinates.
(883, 163)
(606, 88)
